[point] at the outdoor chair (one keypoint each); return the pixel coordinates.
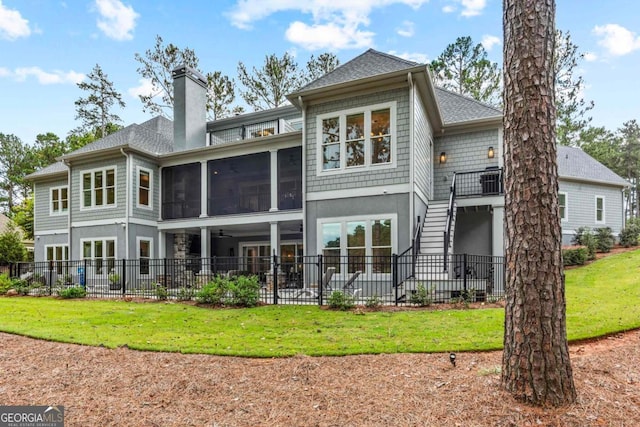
(348, 287)
(326, 279)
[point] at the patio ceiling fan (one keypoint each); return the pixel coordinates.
(221, 235)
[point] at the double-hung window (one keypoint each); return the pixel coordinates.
(57, 254)
(144, 254)
(102, 253)
(357, 244)
(562, 205)
(357, 138)
(99, 188)
(144, 188)
(600, 210)
(59, 200)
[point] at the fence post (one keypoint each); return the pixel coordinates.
(320, 278)
(50, 277)
(275, 277)
(124, 276)
(394, 273)
(464, 271)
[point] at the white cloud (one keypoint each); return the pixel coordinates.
(420, 58)
(116, 21)
(334, 24)
(407, 29)
(448, 8)
(616, 39)
(144, 88)
(43, 77)
(473, 7)
(490, 41)
(590, 57)
(12, 24)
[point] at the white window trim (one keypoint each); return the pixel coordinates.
(54, 246)
(93, 201)
(140, 169)
(566, 205)
(53, 212)
(368, 242)
(604, 218)
(104, 245)
(342, 117)
(140, 239)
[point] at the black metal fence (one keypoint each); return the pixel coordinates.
(479, 183)
(404, 279)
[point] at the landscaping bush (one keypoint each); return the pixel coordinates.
(214, 292)
(339, 300)
(629, 235)
(373, 302)
(585, 237)
(185, 294)
(161, 292)
(72, 292)
(604, 239)
(421, 296)
(244, 291)
(574, 256)
(5, 283)
(22, 287)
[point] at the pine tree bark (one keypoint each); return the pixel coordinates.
(535, 366)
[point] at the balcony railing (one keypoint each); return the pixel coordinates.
(253, 130)
(486, 182)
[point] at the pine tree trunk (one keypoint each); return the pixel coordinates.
(535, 366)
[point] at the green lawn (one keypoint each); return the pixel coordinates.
(602, 298)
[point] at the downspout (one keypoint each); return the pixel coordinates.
(126, 203)
(412, 157)
(304, 174)
(69, 200)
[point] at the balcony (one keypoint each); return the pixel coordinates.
(250, 131)
(488, 182)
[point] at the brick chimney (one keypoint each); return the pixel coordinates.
(189, 109)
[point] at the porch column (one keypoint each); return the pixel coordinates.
(497, 233)
(203, 189)
(275, 238)
(162, 244)
(205, 248)
(274, 180)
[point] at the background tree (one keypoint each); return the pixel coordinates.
(48, 146)
(268, 86)
(630, 162)
(11, 247)
(571, 108)
(22, 216)
(320, 65)
(156, 66)
(221, 92)
(95, 110)
(535, 364)
(465, 69)
(15, 163)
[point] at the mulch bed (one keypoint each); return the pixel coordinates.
(122, 387)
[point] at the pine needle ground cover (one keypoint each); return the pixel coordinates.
(602, 298)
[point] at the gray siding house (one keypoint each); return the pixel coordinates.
(362, 159)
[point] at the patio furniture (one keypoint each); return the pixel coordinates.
(326, 279)
(348, 287)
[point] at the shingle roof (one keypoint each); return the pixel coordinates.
(575, 163)
(370, 63)
(52, 169)
(154, 136)
(456, 108)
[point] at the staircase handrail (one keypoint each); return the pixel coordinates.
(447, 227)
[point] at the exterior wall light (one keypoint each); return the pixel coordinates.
(490, 153)
(443, 157)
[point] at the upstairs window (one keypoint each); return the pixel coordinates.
(99, 188)
(59, 200)
(562, 203)
(600, 210)
(144, 188)
(358, 138)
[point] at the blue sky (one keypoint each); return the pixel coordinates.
(47, 46)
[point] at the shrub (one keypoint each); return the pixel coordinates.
(585, 237)
(629, 235)
(574, 256)
(339, 300)
(421, 296)
(604, 239)
(72, 292)
(244, 291)
(214, 292)
(5, 283)
(185, 294)
(373, 302)
(22, 287)
(161, 292)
